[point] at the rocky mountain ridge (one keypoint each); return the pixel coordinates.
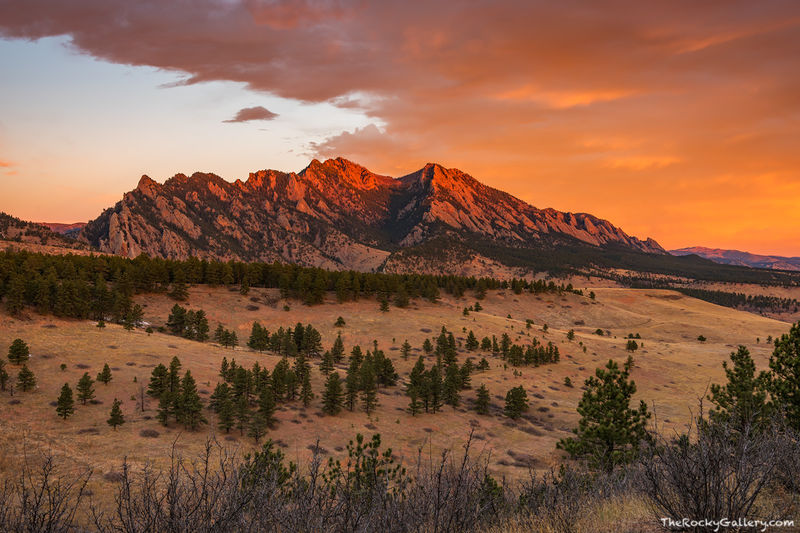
(739, 258)
(336, 214)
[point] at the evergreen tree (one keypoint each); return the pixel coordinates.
(326, 366)
(65, 406)
(259, 338)
(104, 377)
(158, 381)
(784, 376)
(190, 407)
(166, 403)
(416, 387)
(609, 431)
(472, 341)
(173, 375)
(516, 402)
(26, 381)
(18, 352)
(242, 414)
(306, 394)
(384, 306)
(482, 400)
(352, 384)
(369, 387)
(221, 392)
(436, 386)
(337, 351)
(466, 374)
(85, 388)
(405, 349)
(427, 346)
(179, 290)
(340, 323)
(742, 401)
(266, 406)
(115, 417)
(333, 396)
(176, 322)
(452, 386)
(226, 413)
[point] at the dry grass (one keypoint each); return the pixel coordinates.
(672, 370)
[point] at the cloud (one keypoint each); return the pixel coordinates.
(6, 164)
(577, 105)
(253, 113)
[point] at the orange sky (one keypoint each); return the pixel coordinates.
(675, 120)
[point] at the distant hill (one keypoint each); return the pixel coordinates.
(70, 230)
(736, 257)
(16, 230)
(337, 214)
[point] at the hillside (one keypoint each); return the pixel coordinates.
(31, 233)
(736, 257)
(337, 214)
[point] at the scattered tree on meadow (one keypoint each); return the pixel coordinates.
(189, 405)
(104, 376)
(333, 396)
(405, 349)
(516, 402)
(115, 417)
(482, 400)
(85, 388)
(18, 352)
(471, 342)
(26, 381)
(340, 323)
(65, 406)
(631, 346)
(452, 386)
(609, 432)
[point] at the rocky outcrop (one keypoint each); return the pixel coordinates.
(335, 214)
(736, 257)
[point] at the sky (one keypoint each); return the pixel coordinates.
(676, 120)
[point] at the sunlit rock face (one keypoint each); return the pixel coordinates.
(337, 214)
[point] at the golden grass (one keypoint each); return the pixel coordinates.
(672, 370)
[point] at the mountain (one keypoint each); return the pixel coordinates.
(69, 229)
(22, 231)
(337, 214)
(736, 257)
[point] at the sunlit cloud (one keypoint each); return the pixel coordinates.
(253, 113)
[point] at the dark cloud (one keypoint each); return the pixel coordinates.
(252, 113)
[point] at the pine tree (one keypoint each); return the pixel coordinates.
(166, 408)
(352, 384)
(326, 366)
(179, 290)
(333, 396)
(337, 351)
(472, 341)
(306, 394)
(26, 381)
(226, 413)
(609, 431)
(266, 405)
(405, 349)
(18, 352)
(427, 346)
(452, 386)
(173, 375)
(435, 384)
(65, 406)
(516, 402)
(340, 323)
(784, 377)
(85, 388)
(482, 400)
(384, 307)
(104, 377)
(158, 381)
(369, 387)
(115, 417)
(742, 402)
(221, 392)
(242, 414)
(190, 407)
(466, 374)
